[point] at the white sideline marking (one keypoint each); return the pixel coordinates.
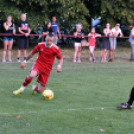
(57, 110)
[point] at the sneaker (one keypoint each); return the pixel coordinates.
(79, 61)
(10, 61)
(18, 60)
(4, 61)
(110, 60)
(16, 92)
(74, 61)
(33, 92)
(124, 106)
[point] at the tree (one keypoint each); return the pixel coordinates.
(41, 11)
(117, 11)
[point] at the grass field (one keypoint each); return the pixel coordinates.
(86, 96)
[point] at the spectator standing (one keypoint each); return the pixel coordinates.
(78, 34)
(8, 40)
(23, 41)
(92, 39)
(106, 42)
(131, 40)
(47, 29)
(55, 29)
(115, 32)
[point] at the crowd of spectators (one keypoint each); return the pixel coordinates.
(109, 40)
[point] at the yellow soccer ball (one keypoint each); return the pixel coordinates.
(48, 94)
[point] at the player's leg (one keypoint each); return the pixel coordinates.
(10, 44)
(129, 103)
(5, 43)
(27, 81)
(38, 89)
(76, 51)
(132, 52)
(79, 54)
(92, 57)
(25, 53)
(42, 79)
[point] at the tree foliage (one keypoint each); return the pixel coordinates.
(117, 11)
(41, 11)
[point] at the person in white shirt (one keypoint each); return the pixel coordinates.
(131, 40)
(116, 31)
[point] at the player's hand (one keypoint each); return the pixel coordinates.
(23, 65)
(59, 68)
(26, 34)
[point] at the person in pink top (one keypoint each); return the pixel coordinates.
(92, 39)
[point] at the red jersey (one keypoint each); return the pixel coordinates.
(46, 56)
(92, 39)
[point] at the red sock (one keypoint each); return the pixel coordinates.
(36, 89)
(27, 81)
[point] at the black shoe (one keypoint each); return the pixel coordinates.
(124, 106)
(110, 60)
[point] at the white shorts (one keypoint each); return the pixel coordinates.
(77, 44)
(113, 43)
(55, 40)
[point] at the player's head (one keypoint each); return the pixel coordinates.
(78, 27)
(9, 18)
(54, 19)
(48, 24)
(117, 26)
(49, 39)
(23, 16)
(93, 30)
(107, 25)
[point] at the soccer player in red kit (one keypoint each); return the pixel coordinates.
(43, 65)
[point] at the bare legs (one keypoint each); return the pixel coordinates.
(91, 51)
(7, 46)
(77, 52)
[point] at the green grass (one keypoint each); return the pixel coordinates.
(81, 91)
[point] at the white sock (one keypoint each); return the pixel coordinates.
(22, 88)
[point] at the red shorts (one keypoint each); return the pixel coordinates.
(43, 75)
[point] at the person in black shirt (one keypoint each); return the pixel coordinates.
(47, 29)
(78, 40)
(8, 40)
(23, 41)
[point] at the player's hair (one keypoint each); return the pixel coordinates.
(79, 24)
(49, 35)
(9, 16)
(23, 14)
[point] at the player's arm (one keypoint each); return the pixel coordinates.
(75, 34)
(121, 34)
(23, 64)
(5, 26)
(29, 31)
(90, 35)
(20, 31)
(58, 30)
(60, 62)
(98, 35)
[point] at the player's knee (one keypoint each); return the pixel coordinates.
(31, 76)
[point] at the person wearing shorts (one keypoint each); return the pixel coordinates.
(23, 41)
(78, 34)
(115, 32)
(55, 29)
(43, 65)
(8, 40)
(106, 42)
(92, 39)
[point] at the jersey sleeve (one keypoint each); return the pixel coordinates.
(58, 54)
(35, 49)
